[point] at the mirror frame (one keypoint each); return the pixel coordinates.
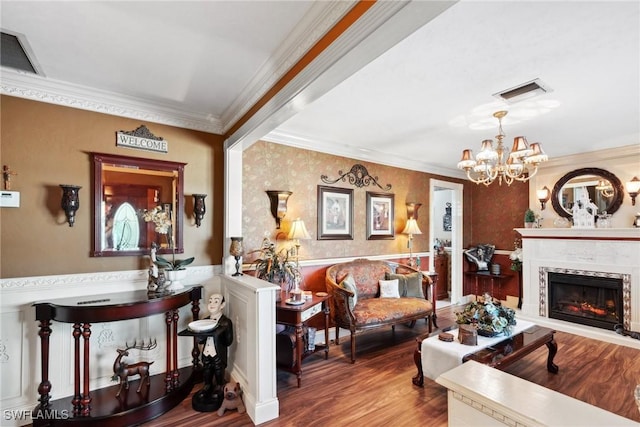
(99, 160)
(615, 183)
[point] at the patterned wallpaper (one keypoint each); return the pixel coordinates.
(490, 213)
(269, 166)
(496, 210)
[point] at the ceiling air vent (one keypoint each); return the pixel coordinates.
(13, 54)
(524, 91)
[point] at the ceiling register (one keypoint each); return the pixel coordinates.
(490, 164)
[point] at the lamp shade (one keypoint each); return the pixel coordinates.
(633, 186)
(411, 227)
(298, 231)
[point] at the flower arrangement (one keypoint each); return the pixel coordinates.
(163, 225)
(490, 318)
(276, 266)
(516, 257)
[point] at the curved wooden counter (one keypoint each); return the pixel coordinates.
(87, 407)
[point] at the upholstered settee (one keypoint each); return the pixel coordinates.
(365, 295)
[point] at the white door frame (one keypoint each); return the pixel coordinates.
(456, 234)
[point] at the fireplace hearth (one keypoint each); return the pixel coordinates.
(588, 300)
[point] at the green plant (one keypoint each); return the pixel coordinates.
(163, 225)
(529, 216)
(174, 264)
(275, 266)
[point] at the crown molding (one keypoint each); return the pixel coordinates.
(321, 17)
(66, 94)
(338, 149)
(591, 157)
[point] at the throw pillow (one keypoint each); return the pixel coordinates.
(349, 284)
(410, 284)
(389, 288)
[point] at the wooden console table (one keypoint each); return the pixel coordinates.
(101, 406)
(297, 315)
(479, 277)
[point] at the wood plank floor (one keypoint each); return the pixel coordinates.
(377, 390)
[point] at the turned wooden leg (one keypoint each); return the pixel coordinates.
(353, 347)
(45, 386)
(553, 349)
(77, 397)
(85, 402)
(418, 379)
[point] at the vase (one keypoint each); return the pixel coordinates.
(528, 224)
(175, 278)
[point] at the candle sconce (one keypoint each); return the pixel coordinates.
(278, 201)
(70, 202)
(199, 208)
(236, 250)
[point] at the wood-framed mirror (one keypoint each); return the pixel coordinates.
(123, 189)
(603, 187)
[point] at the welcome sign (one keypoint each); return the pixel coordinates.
(141, 139)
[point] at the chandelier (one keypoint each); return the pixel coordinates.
(490, 164)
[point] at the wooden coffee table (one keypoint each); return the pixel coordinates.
(505, 352)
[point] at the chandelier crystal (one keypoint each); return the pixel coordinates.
(521, 164)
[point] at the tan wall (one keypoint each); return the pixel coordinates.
(48, 145)
(269, 166)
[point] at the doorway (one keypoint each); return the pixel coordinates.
(446, 199)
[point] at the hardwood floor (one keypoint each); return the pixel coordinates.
(377, 390)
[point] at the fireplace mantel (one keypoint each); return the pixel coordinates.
(630, 233)
(609, 252)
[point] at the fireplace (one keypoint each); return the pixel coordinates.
(588, 300)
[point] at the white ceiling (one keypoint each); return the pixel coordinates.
(202, 64)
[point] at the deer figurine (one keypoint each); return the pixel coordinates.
(122, 370)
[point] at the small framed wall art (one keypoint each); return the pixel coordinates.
(380, 218)
(335, 213)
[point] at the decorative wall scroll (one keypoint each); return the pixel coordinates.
(358, 176)
(380, 219)
(335, 213)
(141, 139)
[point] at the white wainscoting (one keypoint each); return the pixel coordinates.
(20, 343)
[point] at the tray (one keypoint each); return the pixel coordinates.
(292, 302)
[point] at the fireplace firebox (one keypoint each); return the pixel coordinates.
(588, 300)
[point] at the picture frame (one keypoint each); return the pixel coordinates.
(380, 216)
(335, 213)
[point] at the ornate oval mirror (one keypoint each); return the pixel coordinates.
(603, 187)
(126, 187)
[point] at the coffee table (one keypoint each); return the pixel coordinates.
(503, 353)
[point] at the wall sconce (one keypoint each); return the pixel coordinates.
(70, 202)
(411, 228)
(199, 208)
(412, 210)
(543, 196)
(278, 201)
(633, 188)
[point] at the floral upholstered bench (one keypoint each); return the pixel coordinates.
(369, 294)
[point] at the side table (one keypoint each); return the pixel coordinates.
(296, 316)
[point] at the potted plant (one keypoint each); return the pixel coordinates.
(276, 266)
(490, 318)
(529, 218)
(175, 268)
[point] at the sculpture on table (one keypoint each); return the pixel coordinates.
(123, 371)
(214, 357)
(481, 256)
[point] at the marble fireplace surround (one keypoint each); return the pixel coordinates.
(613, 252)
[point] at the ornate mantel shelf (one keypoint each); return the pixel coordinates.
(631, 234)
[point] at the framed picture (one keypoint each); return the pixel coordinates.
(335, 213)
(380, 219)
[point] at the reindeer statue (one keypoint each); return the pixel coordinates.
(122, 370)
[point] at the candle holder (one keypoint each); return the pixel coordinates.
(199, 208)
(236, 250)
(70, 202)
